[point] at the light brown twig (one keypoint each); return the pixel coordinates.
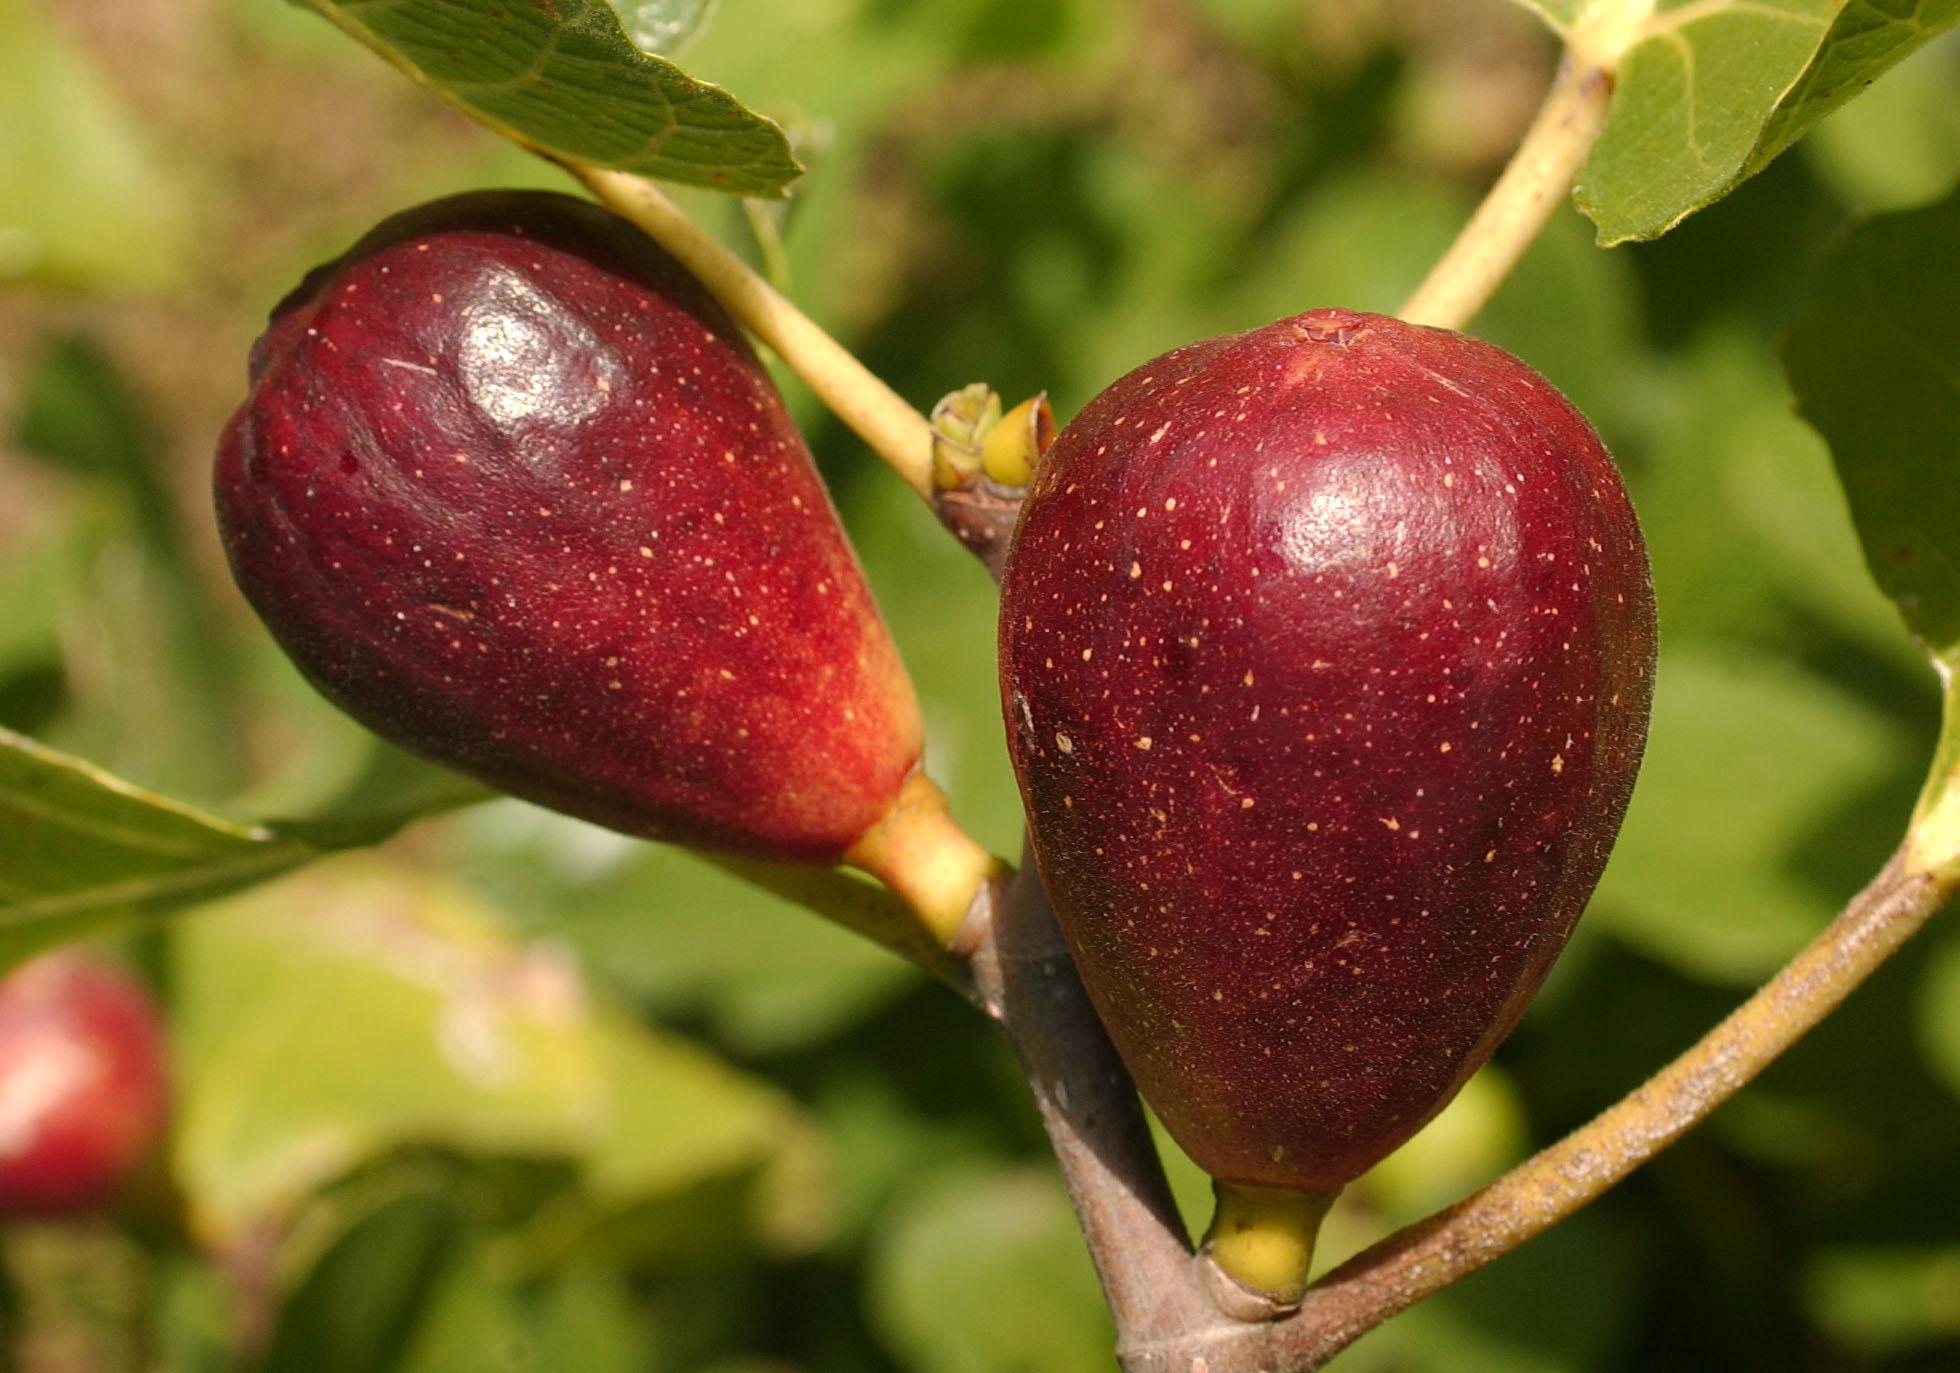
(1533, 184)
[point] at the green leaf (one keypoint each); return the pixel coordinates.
(679, 1116)
(592, 1320)
(985, 1272)
(1897, 146)
(1190, 1184)
(80, 849)
(405, 1268)
(474, 1325)
(1745, 519)
(571, 83)
(1693, 94)
(76, 414)
(1865, 40)
(78, 185)
(356, 1309)
(1709, 91)
(459, 1039)
(881, 1124)
(364, 1006)
(1754, 773)
(665, 26)
(192, 1313)
(1875, 363)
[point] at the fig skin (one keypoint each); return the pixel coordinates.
(84, 1089)
(1326, 658)
(513, 490)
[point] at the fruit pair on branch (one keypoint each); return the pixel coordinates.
(1325, 654)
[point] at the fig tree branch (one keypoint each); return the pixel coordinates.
(1533, 184)
(895, 431)
(1024, 978)
(1090, 1110)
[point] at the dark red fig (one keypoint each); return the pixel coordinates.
(513, 490)
(1326, 659)
(83, 1083)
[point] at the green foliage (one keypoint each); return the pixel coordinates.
(1751, 765)
(691, 941)
(1560, 1303)
(1693, 98)
(1477, 1136)
(1876, 366)
(82, 850)
(1863, 41)
(1895, 146)
(573, 85)
(578, 1103)
(465, 1040)
(62, 124)
(1003, 1242)
(1885, 1301)
(1939, 1025)
(1708, 94)
(78, 415)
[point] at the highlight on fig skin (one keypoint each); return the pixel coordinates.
(513, 490)
(84, 1084)
(1326, 661)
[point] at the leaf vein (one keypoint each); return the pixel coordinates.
(140, 889)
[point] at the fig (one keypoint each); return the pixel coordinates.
(513, 490)
(83, 1083)
(1326, 657)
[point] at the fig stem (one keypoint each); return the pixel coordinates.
(1089, 1108)
(1262, 1239)
(932, 865)
(1533, 184)
(895, 431)
(862, 907)
(1550, 1186)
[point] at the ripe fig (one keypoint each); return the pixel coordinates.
(513, 490)
(83, 1085)
(1326, 658)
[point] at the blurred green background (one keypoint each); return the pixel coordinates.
(515, 1094)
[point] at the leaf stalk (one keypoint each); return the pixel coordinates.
(1534, 183)
(896, 432)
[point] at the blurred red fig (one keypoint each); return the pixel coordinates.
(83, 1083)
